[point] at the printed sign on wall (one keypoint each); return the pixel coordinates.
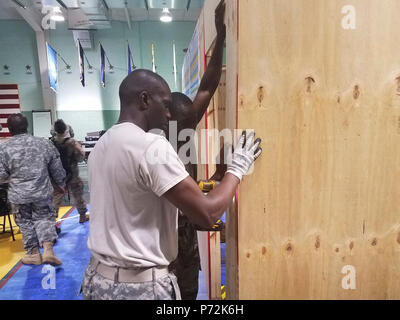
(191, 67)
(52, 62)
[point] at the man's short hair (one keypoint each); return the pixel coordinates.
(60, 127)
(181, 105)
(138, 81)
(17, 124)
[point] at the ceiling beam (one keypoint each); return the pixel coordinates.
(34, 19)
(30, 16)
(128, 17)
(19, 4)
(105, 5)
(62, 4)
(49, 97)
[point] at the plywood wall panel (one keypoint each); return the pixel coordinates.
(232, 263)
(210, 33)
(325, 193)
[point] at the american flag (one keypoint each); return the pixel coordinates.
(9, 104)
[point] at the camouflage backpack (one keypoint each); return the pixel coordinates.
(65, 155)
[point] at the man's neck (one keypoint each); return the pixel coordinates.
(136, 119)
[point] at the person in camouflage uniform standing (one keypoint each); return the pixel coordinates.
(71, 154)
(27, 163)
(188, 114)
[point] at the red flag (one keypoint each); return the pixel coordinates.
(9, 104)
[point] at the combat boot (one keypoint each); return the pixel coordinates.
(34, 257)
(83, 218)
(48, 255)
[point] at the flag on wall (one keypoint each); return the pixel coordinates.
(131, 64)
(9, 104)
(81, 63)
(102, 66)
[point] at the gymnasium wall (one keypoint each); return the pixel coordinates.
(91, 108)
(18, 49)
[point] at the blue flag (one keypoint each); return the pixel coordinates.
(131, 65)
(81, 63)
(102, 66)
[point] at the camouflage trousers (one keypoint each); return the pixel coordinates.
(75, 186)
(187, 265)
(36, 222)
(96, 287)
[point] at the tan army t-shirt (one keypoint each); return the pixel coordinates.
(131, 224)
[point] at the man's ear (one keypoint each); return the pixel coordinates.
(144, 100)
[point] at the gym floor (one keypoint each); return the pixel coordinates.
(18, 281)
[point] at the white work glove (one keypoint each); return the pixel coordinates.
(244, 155)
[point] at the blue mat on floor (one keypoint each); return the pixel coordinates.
(35, 282)
(27, 282)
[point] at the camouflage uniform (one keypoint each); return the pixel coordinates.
(187, 265)
(36, 222)
(26, 162)
(96, 287)
(74, 182)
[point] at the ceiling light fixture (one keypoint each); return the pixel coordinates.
(166, 15)
(57, 14)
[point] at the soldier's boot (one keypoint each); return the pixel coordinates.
(83, 218)
(34, 257)
(48, 255)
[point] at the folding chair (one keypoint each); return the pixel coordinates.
(5, 210)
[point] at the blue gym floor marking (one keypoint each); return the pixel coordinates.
(26, 282)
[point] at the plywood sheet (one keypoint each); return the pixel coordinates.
(210, 33)
(232, 264)
(325, 193)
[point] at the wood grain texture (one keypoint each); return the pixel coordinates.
(209, 242)
(326, 192)
(209, 26)
(216, 122)
(232, 264)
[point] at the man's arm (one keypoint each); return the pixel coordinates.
(4, 173)
(221, 166)
(206, 210)
(212, 76)
(79, 154)
(203, 210)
